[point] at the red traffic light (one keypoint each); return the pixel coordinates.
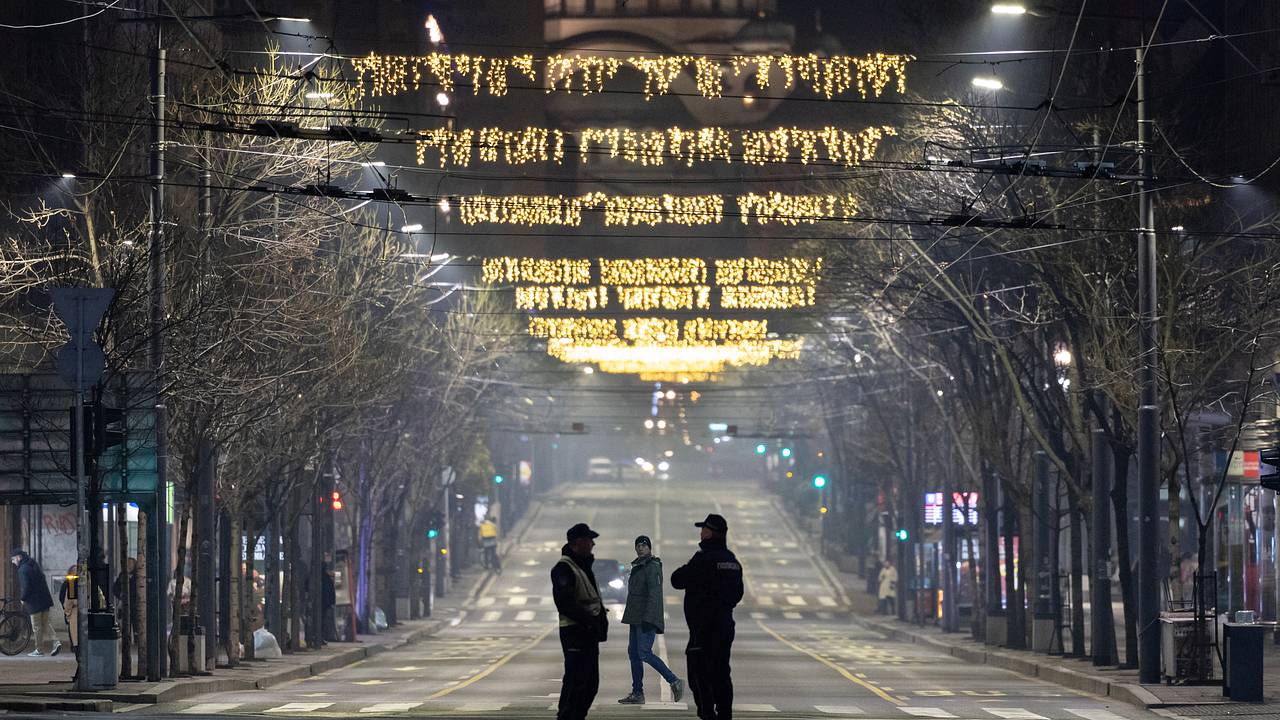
(337, 500)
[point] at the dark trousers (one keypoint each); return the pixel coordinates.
(710, 679)
(581, 674)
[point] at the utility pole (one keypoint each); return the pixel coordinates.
(206, 517)
(1149, 406)
(158, 542)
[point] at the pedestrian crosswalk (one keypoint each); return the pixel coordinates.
(877, 711)
(536, 613)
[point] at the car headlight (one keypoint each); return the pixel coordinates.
(616, 583)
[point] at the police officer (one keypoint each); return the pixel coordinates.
(583, 623)
(712, 581)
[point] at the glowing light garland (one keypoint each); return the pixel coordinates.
(829, 77)
(837, 146)
(767, 271)
(649, 330)
(652, 210)
(706, 357)
(653, 271)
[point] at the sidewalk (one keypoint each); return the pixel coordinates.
(36, 685)
(43, 684)
(1075, 673)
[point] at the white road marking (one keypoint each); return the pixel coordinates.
(491, 616)
(796, 600)
(790, 616)
(482, 707)
(525, 615)
(390, 707)
(765, 600)
(300, 707)
(758, 616)
(517, 600)
(485, 601)
(839, 709)
(827, 601)
(210, 708)
(1093, 714)
(926, 712)
(672, 706)
(1014, 713)
(749, 707)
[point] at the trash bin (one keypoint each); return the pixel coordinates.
(189, 632)
(102, 651)
(1242, 661)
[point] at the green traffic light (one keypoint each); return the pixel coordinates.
(901, 535)
(432, 534)
(760, 449)
(819, 481)
(786, 452)
(497, 479)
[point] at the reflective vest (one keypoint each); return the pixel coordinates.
(585, 592)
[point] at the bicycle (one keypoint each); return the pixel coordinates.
(15, 627)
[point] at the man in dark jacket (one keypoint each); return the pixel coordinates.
(33, 590)
(644, 614)
(712, 581)
(583, 622)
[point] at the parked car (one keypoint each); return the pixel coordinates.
(611, 577)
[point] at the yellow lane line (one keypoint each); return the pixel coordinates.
(492, 668)
(845, 673)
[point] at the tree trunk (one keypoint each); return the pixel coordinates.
(1120, 506)
(143, 636)
(179, 579)
(1077, 574)
(127, 608)
(248, 602)
(1015, 625)
(1026, 570)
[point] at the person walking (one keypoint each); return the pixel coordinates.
(33, 590)
(888, 588)
(489, 544)
(69, 599)
(583, 622)
(712, 581)
(644, 614)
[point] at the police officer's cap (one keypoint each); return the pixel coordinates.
(714, 522)
(580, 531)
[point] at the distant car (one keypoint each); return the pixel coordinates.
(611, 577)
(600, 468)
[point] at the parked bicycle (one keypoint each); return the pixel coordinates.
(15, 627)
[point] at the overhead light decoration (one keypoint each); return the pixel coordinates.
(459, 148)
(868, 75)
(653, 210)
(661, 349)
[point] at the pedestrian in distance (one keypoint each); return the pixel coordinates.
(328, 599)
(646, 618)
(712, 581)
(69, 599)
(888, 588)
(489, 544)
(584, 622)
(33, 590)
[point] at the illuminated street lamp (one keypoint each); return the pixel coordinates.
(983, 82)
(1008, 9)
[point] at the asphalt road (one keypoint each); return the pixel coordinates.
(797, 654)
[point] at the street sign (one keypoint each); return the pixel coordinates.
(80, 361)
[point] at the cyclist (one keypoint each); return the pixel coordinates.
(489, 544)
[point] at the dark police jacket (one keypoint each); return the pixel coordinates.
(33, 588)
(712, 581)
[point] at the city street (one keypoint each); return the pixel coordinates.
(798, 653)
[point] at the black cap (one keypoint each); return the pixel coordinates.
(644, 540)
(580, 531)
(714, 522)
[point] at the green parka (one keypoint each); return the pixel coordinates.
(644, 594)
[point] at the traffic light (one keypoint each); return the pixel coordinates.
(432, 533)
(901, 534)
(819, 481)
(786, 452)
(497, 479)
(760, 448)
(822, 510)
(336, 497)
(108, 427)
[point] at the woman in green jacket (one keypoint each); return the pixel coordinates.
(645, 615)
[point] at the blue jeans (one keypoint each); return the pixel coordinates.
(640, 651)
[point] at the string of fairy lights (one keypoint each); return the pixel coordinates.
(588, 73)
(653, 346)
(653, 210)
(458, 148)
(646, 344)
